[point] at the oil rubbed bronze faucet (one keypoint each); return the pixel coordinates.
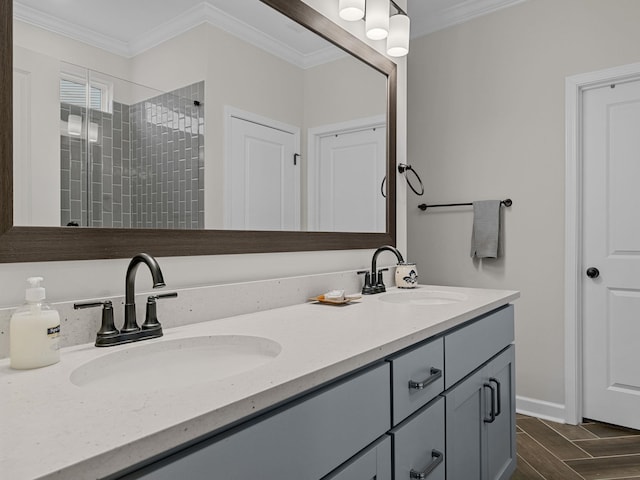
(130, 323)
(108, 334)
(373, 282)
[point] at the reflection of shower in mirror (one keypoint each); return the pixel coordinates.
(142, 165)
(74, 127)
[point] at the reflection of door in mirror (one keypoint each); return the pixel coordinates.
(262, 184)
(347, 165)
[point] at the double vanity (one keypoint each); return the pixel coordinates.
(405, 384)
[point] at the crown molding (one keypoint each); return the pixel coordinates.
(460, 13)
(197, 15)
(71, 30)
(176, 26)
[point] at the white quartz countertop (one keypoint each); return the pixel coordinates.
(51, 428)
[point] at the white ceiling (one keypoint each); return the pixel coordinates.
(128, 27)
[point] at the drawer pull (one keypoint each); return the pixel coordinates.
(499, 407)
(435, 375)
(436, 459)
(492, 413)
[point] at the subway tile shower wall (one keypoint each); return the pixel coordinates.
(146, 167)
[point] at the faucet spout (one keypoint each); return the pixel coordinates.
(389, 248)
(377, 285)
(130, 323)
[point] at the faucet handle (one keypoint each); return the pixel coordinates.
(163, 295)
(151, 318)
(380, 286)
(367, 289)
(108, 328)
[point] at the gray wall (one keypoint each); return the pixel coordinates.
(486, 119)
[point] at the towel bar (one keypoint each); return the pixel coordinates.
(423, 206)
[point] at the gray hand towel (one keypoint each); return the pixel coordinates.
(486, 229)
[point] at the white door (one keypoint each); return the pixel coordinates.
(263, 176)
(611, 240)
(348, 179)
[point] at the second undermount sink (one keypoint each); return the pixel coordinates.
(424, 297)
(175, 363)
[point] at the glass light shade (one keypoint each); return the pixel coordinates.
(377, 19)
(74, 125)
(398, 39)
(351, 10)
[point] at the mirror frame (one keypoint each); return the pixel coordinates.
(36, 244)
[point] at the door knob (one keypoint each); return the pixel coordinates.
(593, 272)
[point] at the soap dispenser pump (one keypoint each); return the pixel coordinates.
(34, 330)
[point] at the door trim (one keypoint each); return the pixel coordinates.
(574, 88)
(23, 197)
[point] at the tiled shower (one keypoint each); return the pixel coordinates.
(143, 169)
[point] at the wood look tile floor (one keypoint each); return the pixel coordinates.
(591, 451)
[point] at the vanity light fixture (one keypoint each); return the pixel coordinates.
(379, 24)
(377, 19)
(351, 10)
(398, 39)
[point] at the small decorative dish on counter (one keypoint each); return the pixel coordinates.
(335, 297)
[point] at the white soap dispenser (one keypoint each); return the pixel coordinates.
(34, 330)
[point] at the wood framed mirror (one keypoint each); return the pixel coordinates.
(35, 243)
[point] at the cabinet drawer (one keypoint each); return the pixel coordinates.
(373, 463)
(417, 377)
(305, 441)
(419, 444)
(474, 344)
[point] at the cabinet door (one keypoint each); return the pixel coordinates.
(419, 445)
(500, 441)
(465, 414)
(481, 422)
(373, 464)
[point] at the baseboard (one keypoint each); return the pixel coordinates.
(532, 407)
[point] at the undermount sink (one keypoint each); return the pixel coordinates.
(424, 297)
(176, 363)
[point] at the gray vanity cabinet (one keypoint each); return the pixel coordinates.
(443, 409)
(480, 422)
